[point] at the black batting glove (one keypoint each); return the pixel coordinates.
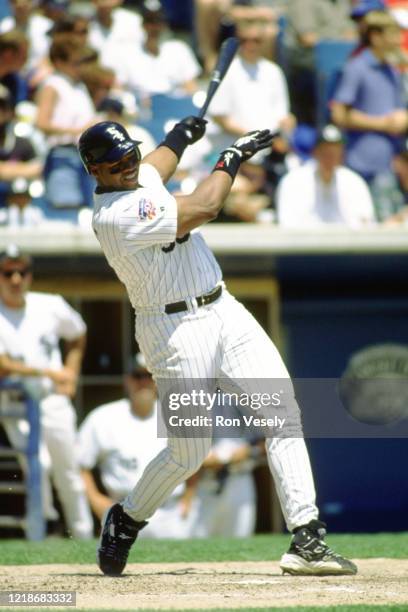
(243, 149)
(184, 133)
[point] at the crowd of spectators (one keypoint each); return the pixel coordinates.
(76, 62)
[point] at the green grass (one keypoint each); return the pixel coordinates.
(257, 548)
(362, 608)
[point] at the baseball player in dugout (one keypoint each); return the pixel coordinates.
(189, 328)
(120, 439)
(31, 327)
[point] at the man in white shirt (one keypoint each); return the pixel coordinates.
(323, 191)
(161, 65)
(31, 327)
(253, 92)
(120, 439)
(112, 30)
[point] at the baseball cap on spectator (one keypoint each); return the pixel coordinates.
(302, 140)
(152, 12)
(362, 7)
(137, 367)
(330, 134)
(14, 253)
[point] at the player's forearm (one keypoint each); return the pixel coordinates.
(203, 204)
(164, 160)
(74, 354)
(166, 157)
(13, 367)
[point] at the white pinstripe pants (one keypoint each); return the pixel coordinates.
(221, 342)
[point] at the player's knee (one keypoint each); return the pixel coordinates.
(190, 461)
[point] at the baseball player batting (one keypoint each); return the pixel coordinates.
(189, 327)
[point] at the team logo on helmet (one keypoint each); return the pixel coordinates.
(114, 132)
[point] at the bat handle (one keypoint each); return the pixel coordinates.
(214, 83)
(203, 109)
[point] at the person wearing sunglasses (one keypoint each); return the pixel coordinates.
(31, 327)
(192, 331)
(117, 440)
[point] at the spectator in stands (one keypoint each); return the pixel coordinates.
(359, 10)
(211, 16)
(65, 109)
(99, 81)
(368, 102)
(70, 27)
(308, 22)
(28, 20)
(18, 158)
(253, 93)
(31, 327)
(323, 191)
(115, 32)
(54, 9)
(390, 190)
(35, 24)
(20, 210)
(119, 439)
(13, 56)
(160, 66)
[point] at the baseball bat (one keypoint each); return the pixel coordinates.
(226, 55)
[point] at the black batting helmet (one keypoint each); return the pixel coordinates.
(106, 141)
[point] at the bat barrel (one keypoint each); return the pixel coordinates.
(226, 55)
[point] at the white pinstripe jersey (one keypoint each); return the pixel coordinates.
(137, 232)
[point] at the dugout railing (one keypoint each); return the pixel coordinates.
(16, 404)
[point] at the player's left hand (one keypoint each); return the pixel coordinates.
(193, 127)
(252, 142)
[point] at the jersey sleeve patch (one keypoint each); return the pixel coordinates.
(147, 210)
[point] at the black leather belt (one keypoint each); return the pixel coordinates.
(202, 300)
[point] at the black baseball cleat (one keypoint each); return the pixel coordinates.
(119, 531)
(309, 554)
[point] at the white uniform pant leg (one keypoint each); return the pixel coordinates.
(17, 432)
(172, 466)
(59, 434)
(250, 354)
(180, 347)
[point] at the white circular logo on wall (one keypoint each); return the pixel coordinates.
(374, 386)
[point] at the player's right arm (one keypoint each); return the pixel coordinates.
(167, 155)
(205, 202)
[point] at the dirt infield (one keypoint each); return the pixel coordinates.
(212, 585)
